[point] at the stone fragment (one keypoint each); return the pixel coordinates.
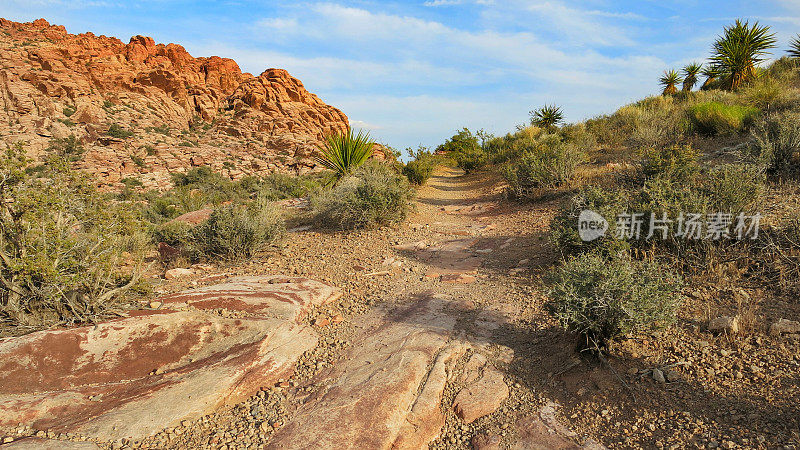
(784, 326)
(726, 324)
(481, 397)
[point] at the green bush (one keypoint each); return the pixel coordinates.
(419, 171)
(564, 226)
(675, 162)
(279, 186)
(373, 195)
(235, 232)
(118, 132)
(175, 234)
(62, 244)
(549, 164)
(603, 299)
(465, 149)
(776, 144)
(715, 118)
(734, 188)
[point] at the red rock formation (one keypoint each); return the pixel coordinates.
(184, 111)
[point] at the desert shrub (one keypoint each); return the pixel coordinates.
(174, 233)
(564, 226)
(470, 159)
(715, 118)
(769, 94)
(420, 168)
(69, 110)
(603, 299)
(118, 132)
(373, 195)
(235, 232)
(62, 244)
(345, 152)
(676, 162)
(656, 122)
(552, 162)
(776, 143)
(279, 186)
(465, 149)
(419, 171)
(69, 148)
(734, 188)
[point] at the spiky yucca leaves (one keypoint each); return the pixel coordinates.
(344, 152)
(739, 50)
(712, 76)
(690, 73)
(794, 47)
(670, 81)
(547, 117)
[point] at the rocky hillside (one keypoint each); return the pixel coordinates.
(143, 110)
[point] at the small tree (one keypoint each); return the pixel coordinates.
(690, 73)
(670, 81)
(739, 50)
(547, 117)
(794, 47)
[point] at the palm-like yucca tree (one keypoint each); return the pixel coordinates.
(547, 117)
(739, 50)
(794, 47)
(344, 152)
(690, 73)
(712, 75)
(670, 81)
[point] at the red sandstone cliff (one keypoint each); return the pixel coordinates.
(183, 111)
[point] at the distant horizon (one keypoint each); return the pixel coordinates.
(413, 73)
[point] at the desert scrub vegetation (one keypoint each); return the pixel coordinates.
(372, 195)
(550, 162)
(602, 299)
(235, 232)
(343, 153)
(67, 253)
(776, 144)
(467, 149)
(116, 131)
(715, 118)
(421, 165)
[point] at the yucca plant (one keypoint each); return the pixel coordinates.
(794, 47)
(670, 81)
(547, 117)
(712, 76)
(346, 151)
(739, 50)
(690, 73)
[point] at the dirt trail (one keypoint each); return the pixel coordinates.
(430, 344)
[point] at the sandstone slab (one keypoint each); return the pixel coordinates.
(387, 391)
(482, 396)
(131, 377)
(286, 298)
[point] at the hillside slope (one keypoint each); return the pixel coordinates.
(183, 111)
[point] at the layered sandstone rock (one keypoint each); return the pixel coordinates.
(131, 377)
(183, 111)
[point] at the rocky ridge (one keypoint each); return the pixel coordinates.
(182, 111)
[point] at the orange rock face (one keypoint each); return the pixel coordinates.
(183, 111)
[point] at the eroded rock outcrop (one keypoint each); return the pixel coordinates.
(184, 111)
(131, 377)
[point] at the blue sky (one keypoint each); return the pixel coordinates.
(413, 72)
